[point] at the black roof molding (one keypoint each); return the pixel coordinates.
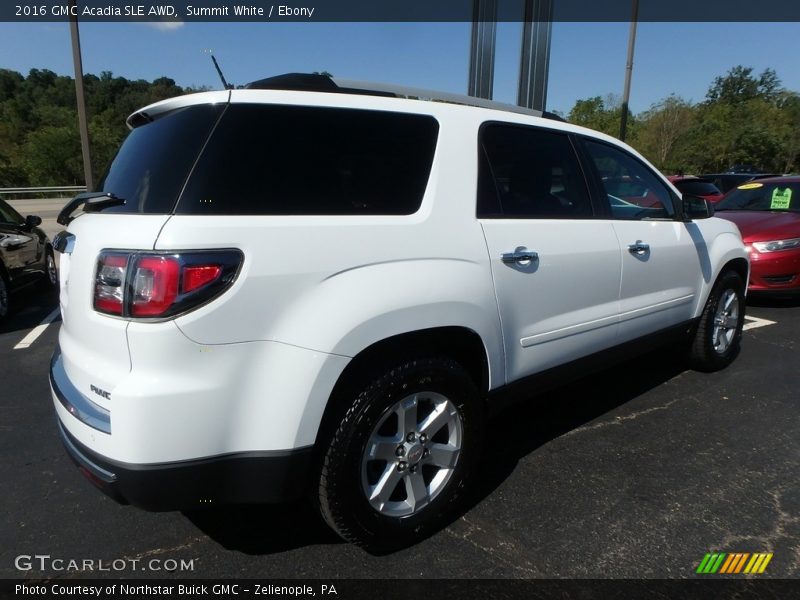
(312, 82)
(303, 82)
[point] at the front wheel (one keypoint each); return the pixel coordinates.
(719, 332)
(398, 461)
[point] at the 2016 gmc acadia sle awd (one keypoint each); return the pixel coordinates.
(316, 287)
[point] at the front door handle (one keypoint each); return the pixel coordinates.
(639, 248)
(520, 255)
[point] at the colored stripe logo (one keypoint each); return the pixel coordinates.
(734, 562)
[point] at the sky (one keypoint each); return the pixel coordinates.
(587, 59)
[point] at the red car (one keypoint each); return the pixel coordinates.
(696, 186)
(767, 212)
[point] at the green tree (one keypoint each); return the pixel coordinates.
(601, 114)
(39, 141)
(664, 131)
(741, 121)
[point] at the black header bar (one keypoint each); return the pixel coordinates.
(252, 11)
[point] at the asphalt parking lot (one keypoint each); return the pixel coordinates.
(635, 472)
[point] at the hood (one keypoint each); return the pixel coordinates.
(762, 226)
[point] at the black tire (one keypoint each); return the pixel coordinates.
(708, 352)
(49, 281)
(5, 297)
(347, 470)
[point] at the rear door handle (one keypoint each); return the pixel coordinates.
(520, 255)
(639, 248)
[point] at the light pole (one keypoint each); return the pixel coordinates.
(626, 94)
(535, 59)
(83, 125)
(481, 55)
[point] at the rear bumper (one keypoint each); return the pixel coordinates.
(245, 478)
(227, 477)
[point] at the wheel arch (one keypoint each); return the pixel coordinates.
(739, 265)
(461, 344)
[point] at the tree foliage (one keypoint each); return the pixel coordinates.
(39, 138)
(600, 114)
(744, 119)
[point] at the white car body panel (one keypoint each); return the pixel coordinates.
(253, 370)
(94, 346)
(563, 306)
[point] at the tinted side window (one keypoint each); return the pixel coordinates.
(528, 173)
(634, 192)
(9, 215)
(155, 159)
(289, 160)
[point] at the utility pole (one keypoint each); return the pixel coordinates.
(535, 59)
(83, 125)
(481, 55)
(626, 94)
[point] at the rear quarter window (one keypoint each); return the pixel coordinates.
(154, 161)
(289, 160)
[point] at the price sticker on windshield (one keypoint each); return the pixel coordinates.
(781, 198)
(750, 186)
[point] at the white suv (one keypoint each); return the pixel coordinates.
(316, 287)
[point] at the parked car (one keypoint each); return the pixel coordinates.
(728, 181)
(26, 256)
(277, 292)
(767, 212)
(696, 186)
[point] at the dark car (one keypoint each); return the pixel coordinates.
(26, 255)
(697, 186)
(767, 212)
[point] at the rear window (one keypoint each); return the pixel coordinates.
(289, 160)
(698, 188)
(155, 159)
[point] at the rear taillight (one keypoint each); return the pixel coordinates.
(198, 276)
(160, 285)
(155, 285)
(110, 283)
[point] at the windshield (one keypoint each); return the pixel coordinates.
(779, 196)
(697, 187)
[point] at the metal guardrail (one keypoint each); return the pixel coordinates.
(58, 190)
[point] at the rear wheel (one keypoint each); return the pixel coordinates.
(397, 464)
(716, 341)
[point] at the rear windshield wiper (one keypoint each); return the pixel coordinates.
(91, 201)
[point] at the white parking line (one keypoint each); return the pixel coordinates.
(755, 322)
(37, 331)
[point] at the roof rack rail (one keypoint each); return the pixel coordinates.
(314, 82)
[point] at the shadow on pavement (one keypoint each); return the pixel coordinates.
(523, 427)
(773, 301)
(264, 529)
(28, 308)
(529, 424)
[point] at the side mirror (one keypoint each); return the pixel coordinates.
(695, 207)
(32, 221)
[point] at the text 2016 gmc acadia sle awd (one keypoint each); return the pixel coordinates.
(316, 287)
